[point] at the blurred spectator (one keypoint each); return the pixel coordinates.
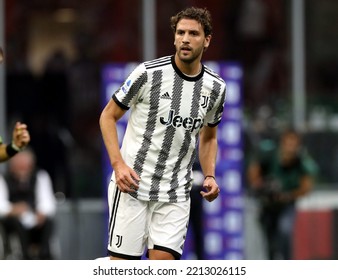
(279, 175)
(27, 206)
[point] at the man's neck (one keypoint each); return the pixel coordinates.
(189, 69)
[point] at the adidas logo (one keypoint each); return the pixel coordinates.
(165, 96)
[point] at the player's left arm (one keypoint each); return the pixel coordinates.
(207, 157)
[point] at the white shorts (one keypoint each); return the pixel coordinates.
(135, 224)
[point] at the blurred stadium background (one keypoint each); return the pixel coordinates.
(51, 79)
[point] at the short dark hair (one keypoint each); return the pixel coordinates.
(200, 15)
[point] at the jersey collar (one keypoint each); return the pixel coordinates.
(182, 75)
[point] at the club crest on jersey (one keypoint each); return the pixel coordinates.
(205, 99)
(176, 121)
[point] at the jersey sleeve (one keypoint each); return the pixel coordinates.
(126, 95)
(214, 116)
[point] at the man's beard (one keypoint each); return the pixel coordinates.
(188, 58)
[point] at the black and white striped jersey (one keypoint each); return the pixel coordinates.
(168, 109)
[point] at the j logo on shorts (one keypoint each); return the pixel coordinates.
(119, 241)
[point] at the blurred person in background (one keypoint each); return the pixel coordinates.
(196, 219)
(20, 139)
(27, 205)
(279, 175)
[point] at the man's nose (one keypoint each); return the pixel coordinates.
(186, 38)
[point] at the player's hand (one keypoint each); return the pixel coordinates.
(212, 189)
(21, 135)
(126, 178)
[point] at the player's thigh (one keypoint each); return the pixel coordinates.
(127, 225)
(168, 228)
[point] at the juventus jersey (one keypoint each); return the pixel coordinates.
(168, 109)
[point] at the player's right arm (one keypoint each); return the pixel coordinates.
(124, 175)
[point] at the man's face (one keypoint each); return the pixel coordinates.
(21, 165)
(290, 144)
(190, 40)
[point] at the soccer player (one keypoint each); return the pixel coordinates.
(20, 139)
(174, 101)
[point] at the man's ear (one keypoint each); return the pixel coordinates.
(207, 42)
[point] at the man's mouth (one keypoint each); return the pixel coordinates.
(185, 48)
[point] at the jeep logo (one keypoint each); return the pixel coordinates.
(178, 121)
